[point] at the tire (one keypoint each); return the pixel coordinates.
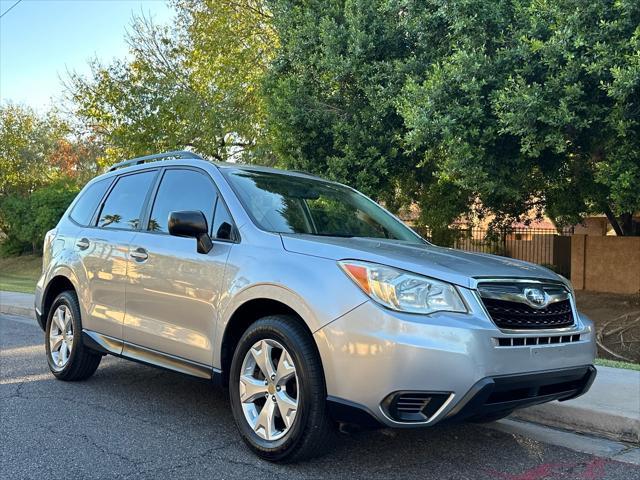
(310, 431)
(81, 362)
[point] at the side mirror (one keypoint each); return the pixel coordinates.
(191, 224)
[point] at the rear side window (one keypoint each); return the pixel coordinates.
(123, 206)
(88, 202)
(182, 190)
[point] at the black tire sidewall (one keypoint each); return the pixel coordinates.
(70, 300)
(273, 328)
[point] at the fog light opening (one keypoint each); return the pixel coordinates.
(406, 406)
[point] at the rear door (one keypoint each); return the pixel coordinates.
(173, 291)
(104, 252)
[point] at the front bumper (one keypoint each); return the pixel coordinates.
(501, 395)
(371, 352)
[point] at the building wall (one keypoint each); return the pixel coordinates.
(605, 263)
(593, 226)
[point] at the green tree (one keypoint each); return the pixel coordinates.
(26, 142)
(25, 219)
(190, 84)
(41, 165)
(332, 92)
(535, 104)
(36, 149)
(492, 107)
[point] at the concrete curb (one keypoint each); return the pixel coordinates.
(602, 447)
(611, 408)
(583, 420)
(17, 310)
(15, 303)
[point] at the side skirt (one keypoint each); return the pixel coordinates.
(119, 348)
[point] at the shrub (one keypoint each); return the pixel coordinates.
(26, 219)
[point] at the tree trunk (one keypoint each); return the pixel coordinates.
(613, 221)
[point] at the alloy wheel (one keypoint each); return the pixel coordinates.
(61, 337)
(269, 389)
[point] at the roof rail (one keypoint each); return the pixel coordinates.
(158, 156)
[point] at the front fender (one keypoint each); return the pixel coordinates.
(315, 288)
(272, 291)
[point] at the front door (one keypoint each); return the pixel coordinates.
(173, 291)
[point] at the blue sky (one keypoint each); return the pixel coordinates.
(41, 39)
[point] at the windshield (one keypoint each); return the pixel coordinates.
(291, 204)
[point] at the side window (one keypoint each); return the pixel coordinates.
(123, 206)
(88, 202)
(222, 223)
(182, 190)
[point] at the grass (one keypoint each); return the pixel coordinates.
(20, 274)
(603, 362)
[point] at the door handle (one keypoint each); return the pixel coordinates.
(83, 244)
(139, 254)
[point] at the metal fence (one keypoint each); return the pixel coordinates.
(545, 246)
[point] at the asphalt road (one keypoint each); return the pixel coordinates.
(133, 421)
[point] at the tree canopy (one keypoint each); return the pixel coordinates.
(36, 149)
(42, 164)
(191, 84)
(459, 108)
(536, 104)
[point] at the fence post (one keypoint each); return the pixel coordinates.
(578, 258)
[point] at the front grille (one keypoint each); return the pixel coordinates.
(516, 316)
(511, 305)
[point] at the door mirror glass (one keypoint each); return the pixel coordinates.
(191, 224)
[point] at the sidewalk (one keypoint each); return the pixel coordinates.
(610, 409)
(15, 303)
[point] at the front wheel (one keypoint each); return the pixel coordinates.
(277, 391)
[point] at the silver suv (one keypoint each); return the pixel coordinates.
(309, 301)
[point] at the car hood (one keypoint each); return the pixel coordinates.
(450, 265)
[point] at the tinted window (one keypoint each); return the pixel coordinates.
(124, 204)
(293, 204)
(222, 223)
(182, 190)
(88, 202)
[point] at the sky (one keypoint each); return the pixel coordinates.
(41, 39)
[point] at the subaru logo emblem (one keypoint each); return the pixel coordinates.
(536, 297)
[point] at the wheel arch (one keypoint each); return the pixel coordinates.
(58, 283)
(244, 316)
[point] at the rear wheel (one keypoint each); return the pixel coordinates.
(277, 391)
(67, 357)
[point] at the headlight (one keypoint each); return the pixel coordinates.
(403, 291)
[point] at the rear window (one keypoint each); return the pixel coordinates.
(123, 206)
(89, 200)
